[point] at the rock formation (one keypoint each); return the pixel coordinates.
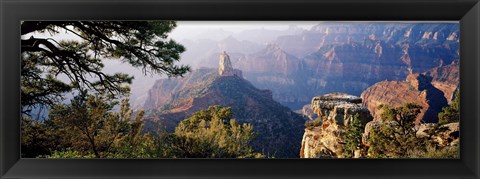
(225, 68)
(347, 58)
(307, 111)
(334, 57)
(444, 135)
(279, 130)
(446, 79)
(336, 111)
(164, 90)
(432, 90)
(339, 32)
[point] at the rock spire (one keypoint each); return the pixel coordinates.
(225, 68)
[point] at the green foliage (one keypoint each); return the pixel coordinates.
(353, 137)
(142, 44)
(405, 114)
(450, 113)
(36, 138)
(164, 145)
(69, 153)
(212, 133)
(89, 125)
(396, 136)
(142, 147)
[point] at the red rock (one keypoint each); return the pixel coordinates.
(417, 89)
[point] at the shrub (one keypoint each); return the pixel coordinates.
(212, 133)
(450, 113)
(396, 136)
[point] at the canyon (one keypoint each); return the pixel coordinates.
(339, 57)
(432, 90)
(336, 111)
(278, 128)
(330, 73)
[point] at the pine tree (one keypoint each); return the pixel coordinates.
(353, 137)
(396, 136)
(212, 133)
(450, 113)
(89, 125)
(142, 44)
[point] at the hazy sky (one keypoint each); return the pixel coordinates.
(191, 29)
(237, 26)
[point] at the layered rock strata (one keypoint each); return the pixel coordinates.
(336, 111)
(341, 57)
(418, 89)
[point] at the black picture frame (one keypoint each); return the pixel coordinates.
(467, 12)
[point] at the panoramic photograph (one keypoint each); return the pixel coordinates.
(240, 89)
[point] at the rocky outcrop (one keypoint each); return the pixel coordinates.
(444, 135)
(225, 68)
(417, 89)
(336, 111)
(312, 146)
(307, 112)
(278, 129)
(338, 108)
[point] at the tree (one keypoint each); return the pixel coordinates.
(451, 113)
(36, 138)
(90, 126)
(142, 44)
(396, 136)
(212, 133)
(353, 137)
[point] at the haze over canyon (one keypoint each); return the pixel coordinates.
(271, 79)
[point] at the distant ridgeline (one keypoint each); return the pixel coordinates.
(384, 63)
(340, 57)
(279, 130)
